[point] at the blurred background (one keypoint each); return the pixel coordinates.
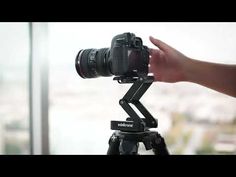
(47, 108)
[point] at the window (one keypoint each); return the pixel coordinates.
(14, 88)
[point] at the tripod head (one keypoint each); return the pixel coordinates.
(129, 133)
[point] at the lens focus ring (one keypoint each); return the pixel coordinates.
(92, 63)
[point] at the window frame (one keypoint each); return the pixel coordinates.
(38, 89)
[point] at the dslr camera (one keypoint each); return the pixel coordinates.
(127, 57)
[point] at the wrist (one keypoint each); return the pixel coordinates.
(188, 69)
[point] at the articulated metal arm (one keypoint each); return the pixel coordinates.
(136, 91)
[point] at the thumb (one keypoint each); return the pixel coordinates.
(161, 45)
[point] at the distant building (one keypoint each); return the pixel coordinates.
(226, 143)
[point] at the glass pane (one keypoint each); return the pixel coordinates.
(14, 101)
(192, 118)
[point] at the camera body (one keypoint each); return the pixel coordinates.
(128, 56)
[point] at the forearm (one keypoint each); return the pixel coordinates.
(219, 77)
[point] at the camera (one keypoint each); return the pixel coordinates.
(127, 57)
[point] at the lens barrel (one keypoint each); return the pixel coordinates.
(92, 63)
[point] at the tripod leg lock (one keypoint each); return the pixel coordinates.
(114, 143)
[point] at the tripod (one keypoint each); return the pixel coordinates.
(125, 140)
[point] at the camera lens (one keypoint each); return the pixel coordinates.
(92, 63)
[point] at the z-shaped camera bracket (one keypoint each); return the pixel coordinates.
(134, 123)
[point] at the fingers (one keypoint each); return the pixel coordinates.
(161, 45)
(151, 69)
(153, 61)
(155, 54)
(154, 51)
(150, 50)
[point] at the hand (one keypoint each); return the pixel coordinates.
(169, 65)
(166, 63)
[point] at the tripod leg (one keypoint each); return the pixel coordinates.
(114, 144)
(159, 145)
